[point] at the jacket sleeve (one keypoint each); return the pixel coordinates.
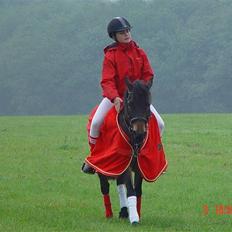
(148, 72)
(108, 82)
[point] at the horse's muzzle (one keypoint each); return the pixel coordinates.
(139, 125)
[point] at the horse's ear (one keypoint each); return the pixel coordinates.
(149, 83)
(129, 84)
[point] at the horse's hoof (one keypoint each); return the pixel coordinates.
(135, 223)
(109, 215)
(123, 213)
(87, 169)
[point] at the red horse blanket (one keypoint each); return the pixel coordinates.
(112, 153)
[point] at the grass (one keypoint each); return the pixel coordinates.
(42, 188)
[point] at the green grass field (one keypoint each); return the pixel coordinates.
(42, 188)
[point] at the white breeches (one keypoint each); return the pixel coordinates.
(104, 108)
(99, 116)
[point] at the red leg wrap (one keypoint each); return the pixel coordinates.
(107, 203)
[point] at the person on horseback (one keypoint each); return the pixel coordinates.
(122, 59)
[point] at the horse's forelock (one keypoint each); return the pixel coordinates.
(139, 91)
(140, 87)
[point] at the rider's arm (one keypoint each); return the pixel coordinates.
(108, 82)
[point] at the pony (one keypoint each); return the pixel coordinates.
(117, 153)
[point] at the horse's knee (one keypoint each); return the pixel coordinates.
(105, 188)
(130, 191)
(130, 188)
(138, 190)
(120, 180)
(104, 184)
(138, 184)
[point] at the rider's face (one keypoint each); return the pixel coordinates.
(123, 36)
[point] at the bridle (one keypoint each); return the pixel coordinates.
(131, 120)
(136, 139)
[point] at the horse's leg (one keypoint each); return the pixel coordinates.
(105, 189)
(122, 196)
(138, 189)
(131, 198)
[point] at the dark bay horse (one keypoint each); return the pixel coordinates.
(133, 120)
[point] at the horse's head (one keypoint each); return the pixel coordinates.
(137, 102)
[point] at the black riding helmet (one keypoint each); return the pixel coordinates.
(117, 24)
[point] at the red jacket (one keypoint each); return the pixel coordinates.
(120, 61)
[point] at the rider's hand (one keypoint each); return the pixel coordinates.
(117, 103)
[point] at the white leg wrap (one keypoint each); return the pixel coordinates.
(133, 214)
(122, 195)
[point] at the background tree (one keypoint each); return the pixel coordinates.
(51, 53)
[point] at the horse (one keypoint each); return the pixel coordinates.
(133, 124)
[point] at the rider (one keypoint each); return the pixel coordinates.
(123, 58)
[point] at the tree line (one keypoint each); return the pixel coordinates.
(51, 53)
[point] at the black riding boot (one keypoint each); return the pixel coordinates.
(87, 169)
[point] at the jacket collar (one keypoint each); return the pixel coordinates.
(127, 46)
(122, 46)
